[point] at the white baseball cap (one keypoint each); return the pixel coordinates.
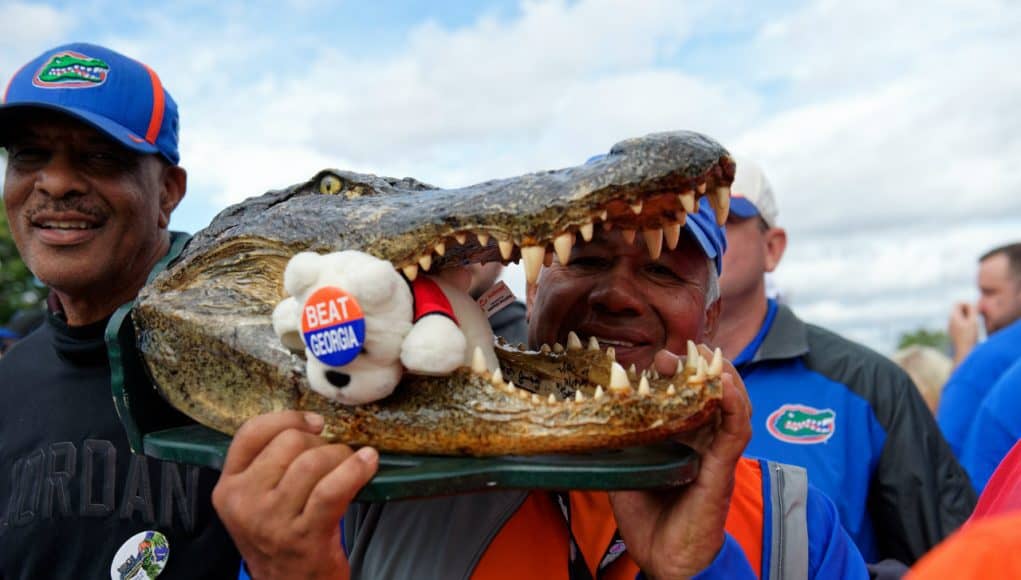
(751, 194)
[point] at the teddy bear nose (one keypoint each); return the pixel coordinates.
(339, 380)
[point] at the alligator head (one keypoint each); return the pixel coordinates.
(72, 69)
(204, 324)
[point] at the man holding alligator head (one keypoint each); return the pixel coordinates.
(284, 489)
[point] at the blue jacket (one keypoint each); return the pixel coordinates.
(969, 384)
(995, 428)
(857, 423)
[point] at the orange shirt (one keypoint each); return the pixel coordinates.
(988, 548)
(534, 542)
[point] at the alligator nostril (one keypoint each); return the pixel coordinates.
(339, 380)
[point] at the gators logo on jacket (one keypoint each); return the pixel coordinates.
(801, 424)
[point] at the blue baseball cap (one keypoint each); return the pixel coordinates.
(117, 95)
(701, 226)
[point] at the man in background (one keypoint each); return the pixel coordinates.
(847, 414)
(509, 320)
(981, 365)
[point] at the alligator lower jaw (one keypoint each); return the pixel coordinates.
(477, 412)
(578, 372)
(658, 215)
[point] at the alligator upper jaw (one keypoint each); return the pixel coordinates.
(550, 373)
(657, 214)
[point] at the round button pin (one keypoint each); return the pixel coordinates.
(141, 557)
(333, 326)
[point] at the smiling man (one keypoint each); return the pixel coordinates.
(92, 178)
(613, 290)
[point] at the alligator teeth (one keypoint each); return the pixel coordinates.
(699, 376)
(461, 238)
(611, 354)
(483, 239)
(643, 386)
(721, 205)
(523, 394)
(558, 348)
(440, 249)
(478, 361)
(506, 248)
(599, 392)
(680, 368)
(573, 342)
(653, 242)
(497, 377)
(671, 390)
(563, 244)
(593, 344)
(510, 388)
(536, 399)
(654, 374)
(605, 214)
(687, 201)
(628, 235)
(545, 349)
(618, 379)
(716, 366)
(410, 272)
(631, 371)
(693, 356)
(552, 399)
(586, 232)
(636, 208)
(701, 188)
(532, 256)
(579, 396)
(672, 234)
(426, 262)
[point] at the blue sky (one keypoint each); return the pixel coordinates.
(890, 129)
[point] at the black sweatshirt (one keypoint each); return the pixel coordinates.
(71, 491)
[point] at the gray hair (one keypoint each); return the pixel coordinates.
(712, 290)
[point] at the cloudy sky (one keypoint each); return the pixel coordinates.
(891, 130)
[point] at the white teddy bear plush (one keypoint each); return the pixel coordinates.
(361, 325)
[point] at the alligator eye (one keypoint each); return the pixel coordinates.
(330, 185)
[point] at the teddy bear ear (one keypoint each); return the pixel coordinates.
(286, 321)
(302, 272)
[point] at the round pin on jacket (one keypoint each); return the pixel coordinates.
(141, 557)
(333, 326)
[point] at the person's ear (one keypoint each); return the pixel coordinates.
(776, 243)
(712, 320)
(174, 183)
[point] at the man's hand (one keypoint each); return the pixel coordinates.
(963, 330)
(283, 491)
(677, 533)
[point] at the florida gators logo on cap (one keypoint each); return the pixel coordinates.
(333, 326)
(71, 70)
(801, 424)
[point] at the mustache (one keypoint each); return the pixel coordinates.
(66, 205)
